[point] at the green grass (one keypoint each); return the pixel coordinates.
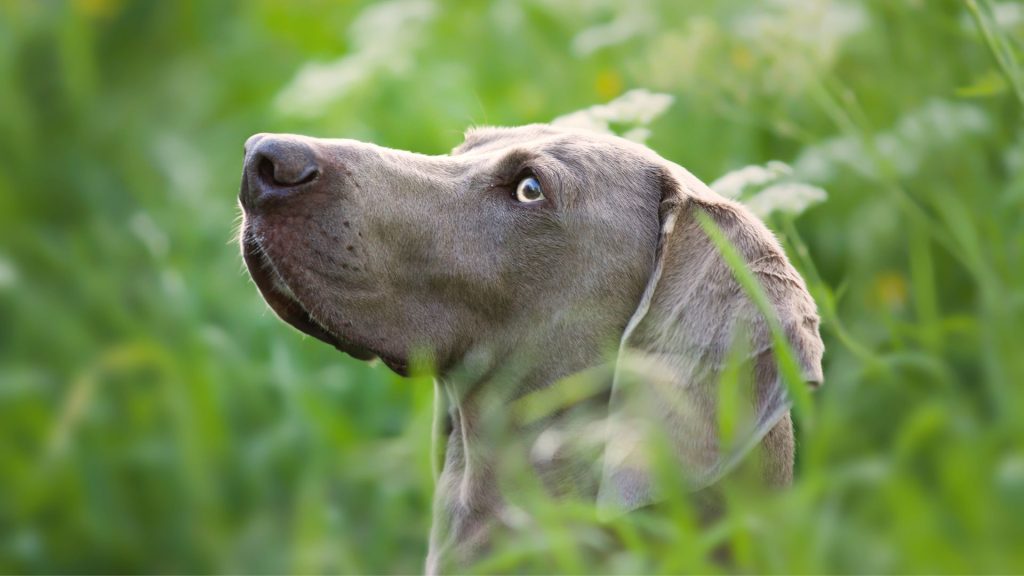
(155, 416)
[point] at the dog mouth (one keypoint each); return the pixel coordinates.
(283, 301)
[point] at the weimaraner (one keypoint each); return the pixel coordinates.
(528, 257)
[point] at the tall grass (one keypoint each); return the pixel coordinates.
(156, 417)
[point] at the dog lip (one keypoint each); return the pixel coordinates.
(290, 309)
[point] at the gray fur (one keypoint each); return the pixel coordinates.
(388, 253)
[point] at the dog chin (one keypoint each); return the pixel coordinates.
(283, 301)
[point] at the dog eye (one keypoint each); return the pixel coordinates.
(528, 191)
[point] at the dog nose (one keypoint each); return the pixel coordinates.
(276, 166)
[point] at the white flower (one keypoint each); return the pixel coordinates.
(935, 124)
(817, 26)
(732, 183)
(942, 120)
(625, 27)
(1008, 15)
(384, 37)
(769, 188)
(792, 41)
(636, 108)
(789, 198)
(639, 134)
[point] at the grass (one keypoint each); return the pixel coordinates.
(156, 417)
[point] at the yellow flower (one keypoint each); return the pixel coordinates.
(891, 290)
(741, 58)
(608, 84)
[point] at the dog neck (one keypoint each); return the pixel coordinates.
(496, 424)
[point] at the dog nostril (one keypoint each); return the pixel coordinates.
(278, 166)
(281, 177)
(265, 168)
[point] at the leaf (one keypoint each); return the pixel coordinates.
(991, 83)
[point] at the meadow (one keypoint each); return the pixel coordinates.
(155, 416)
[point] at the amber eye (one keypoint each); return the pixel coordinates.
(528, 191)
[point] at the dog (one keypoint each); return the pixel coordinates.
(526, 257)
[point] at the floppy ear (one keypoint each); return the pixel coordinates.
(695, 329)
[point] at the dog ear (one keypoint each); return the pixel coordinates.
(695, 332)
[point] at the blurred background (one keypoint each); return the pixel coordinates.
(156, 417)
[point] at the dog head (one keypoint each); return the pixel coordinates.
(516, 233)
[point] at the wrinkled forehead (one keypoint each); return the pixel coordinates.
(543, 136)
(494, 139)
(587, 153)
(585, 162)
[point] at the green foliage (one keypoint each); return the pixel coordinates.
(155, 416)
